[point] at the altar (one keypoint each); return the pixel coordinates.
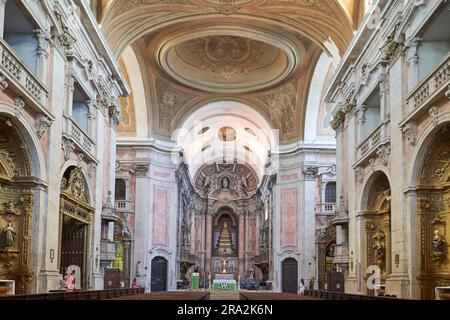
(224, 284)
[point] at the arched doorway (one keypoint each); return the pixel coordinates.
(75, 220)
(159, 274)
(433, 212)
(16, 208)
(377, 227)
(225, 244)
(289, 275)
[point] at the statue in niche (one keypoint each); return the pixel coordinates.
(379, 248)
(7, 237)
(226, 183)
(438, 241)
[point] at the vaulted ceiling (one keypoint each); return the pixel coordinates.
(194, 52)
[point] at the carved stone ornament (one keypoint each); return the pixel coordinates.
(3, 83)
(141, 169)
(19, 104)
(434, 113)
(68, 147)
(383, 152)
(44, 123)
(391, 49)
(66, 39)
(410, 133)
(338, 120)
(92, 167)
(311, 171)
(75, 187)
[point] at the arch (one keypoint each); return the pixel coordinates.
(30, 138)
(419, 153)
(225, 210)
(432, 184)
(90, 189)
(368, 182)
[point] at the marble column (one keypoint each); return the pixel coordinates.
(208, 242)
(241, 245)
(2, 16)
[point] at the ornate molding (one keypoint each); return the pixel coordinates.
(410, 133)
(19, 104)
(434, 113)
(91, 169)
(383, 152)
(310, 171)
(68, 147)
(44, 123)
(338, 121)
(65, 39)
(141, 169)
(3, 83)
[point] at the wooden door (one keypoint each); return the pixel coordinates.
(159, 274)
(289, 275)
(112, 279)
(336, 281)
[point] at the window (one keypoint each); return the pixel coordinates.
(105, 227)
(372, 114)
(435, 42)
(330, 192)
(80, 109)
(20, 36)
(121, 190)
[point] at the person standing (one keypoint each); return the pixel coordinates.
(134, 283)
(301, 287)
(70, 281)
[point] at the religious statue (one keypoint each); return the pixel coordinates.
(438, 241)
(379, 248)
(7, 237)
(225, 183)
(224, 266)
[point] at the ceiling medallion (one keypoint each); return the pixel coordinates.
(228, 7)
(227, 59)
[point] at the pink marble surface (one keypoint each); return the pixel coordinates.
(161, 216)
(289, 198)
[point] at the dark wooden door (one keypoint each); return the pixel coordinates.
(336, 281)
(73, 246)
(289, 275)
(112, 279)
(159, 274)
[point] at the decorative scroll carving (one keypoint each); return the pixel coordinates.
(65, 39)
(3, 83)
(44, 123)
(141, 169)
(410, 133)
(68, 147)
(75, 187)
(310, 171)
(282, 104)
(169, 101)
(434, 113)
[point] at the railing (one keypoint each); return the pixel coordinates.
(329, 295)
(123, 206)
(79, 137)
(107, 250)
(79, 295)
(17, 72)
(437, 81)
(379, 135)
(329, 208)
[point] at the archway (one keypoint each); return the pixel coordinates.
(75, 221)
(433, 209)
(289, 275)
(377, 227)
(159, 274)
(16, 208)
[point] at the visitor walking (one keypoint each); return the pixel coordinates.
(301, 287)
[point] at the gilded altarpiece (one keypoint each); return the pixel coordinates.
(433, 210)
(16, 207)
(377, 224)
